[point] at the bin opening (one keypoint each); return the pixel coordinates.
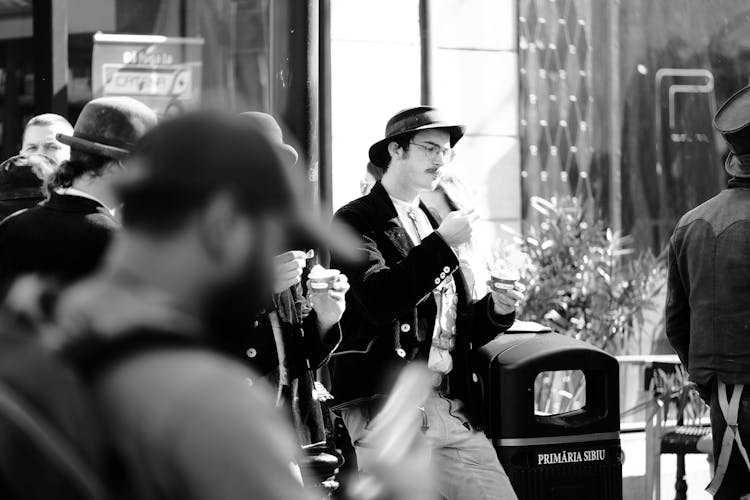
(560, 392)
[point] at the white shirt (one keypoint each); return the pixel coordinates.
(440, 360)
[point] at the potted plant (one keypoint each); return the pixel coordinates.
(583, 280)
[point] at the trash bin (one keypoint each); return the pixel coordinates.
(553, 454)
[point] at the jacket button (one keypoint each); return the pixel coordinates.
(406, 328)
(474, 377)
(437, 281)
(251, 353)
(401, 353)
(442, 275)
(446, 269)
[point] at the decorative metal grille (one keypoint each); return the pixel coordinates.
(556, 102)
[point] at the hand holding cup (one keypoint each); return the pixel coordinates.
(507, 291)
(456, 228)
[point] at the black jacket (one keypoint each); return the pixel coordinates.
(63, 238)
(708, 300)
(390, 313)
(304, 352)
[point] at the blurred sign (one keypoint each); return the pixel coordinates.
(162, 72)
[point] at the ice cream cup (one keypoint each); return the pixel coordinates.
(322, 280)
(504, 279)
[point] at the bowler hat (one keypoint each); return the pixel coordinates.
(408, 121)
(733, 122)
(110, 127)
(271, 128)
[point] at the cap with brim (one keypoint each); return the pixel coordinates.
(732, 120)
(412, 120)
(197, 155)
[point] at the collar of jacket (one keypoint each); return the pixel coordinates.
(77, 204)
(391, 223)
(737, 182)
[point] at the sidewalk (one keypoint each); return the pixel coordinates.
(697, 471)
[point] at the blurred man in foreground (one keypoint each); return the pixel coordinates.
(40, 137)
(65, 237)
(206, 204)
(409, 305)
(707, 315)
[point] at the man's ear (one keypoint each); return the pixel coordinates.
(395, 150)
(221, 230)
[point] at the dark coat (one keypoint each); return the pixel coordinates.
(10, 205)
(707, 315)
(304, 350)
(390, 313)
(63, 238)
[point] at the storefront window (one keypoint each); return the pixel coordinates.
(617, 100)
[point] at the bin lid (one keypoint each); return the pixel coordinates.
(529, 348)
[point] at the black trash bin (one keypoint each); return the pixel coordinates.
(575, 454)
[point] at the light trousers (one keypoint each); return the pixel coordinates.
(462, 459)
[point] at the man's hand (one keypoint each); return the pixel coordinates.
(507, 301)
(456, 228)
(330, 305)
(289, 267)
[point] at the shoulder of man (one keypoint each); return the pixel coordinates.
(361, 214)
(211, 419)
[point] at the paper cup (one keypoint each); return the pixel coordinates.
(323, 280)
(504, 279)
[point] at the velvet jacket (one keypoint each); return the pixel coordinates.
(391, 310)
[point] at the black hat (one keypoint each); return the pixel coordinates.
(271, 127)
(412, 120)
(22, 176)
(21, 180)
(110, 127)
(733, 122)
(192, 157)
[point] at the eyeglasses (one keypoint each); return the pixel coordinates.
(432, 151)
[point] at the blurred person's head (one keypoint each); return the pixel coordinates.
(21, 180)
(418, 143)
(40, 137)
(104, 136)
(373, 175)
(207, 200)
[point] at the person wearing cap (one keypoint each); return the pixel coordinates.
(290, 340)
(407, 304)
(707, 315)
(40, 137)
(65, 237)
(207, 201)
(21, 180)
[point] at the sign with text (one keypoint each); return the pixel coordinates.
(162, 72)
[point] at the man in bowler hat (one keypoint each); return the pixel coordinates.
(65, 237)
(707, 314)
(408, 304)
(290, 340)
